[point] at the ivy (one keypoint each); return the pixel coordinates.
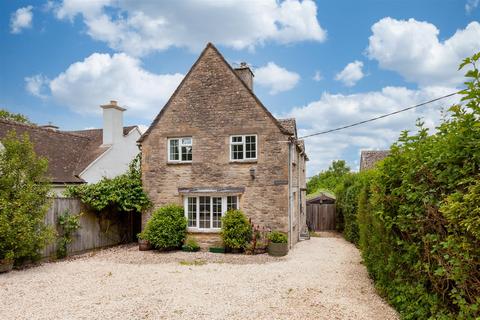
(123, 193)
(68, 223)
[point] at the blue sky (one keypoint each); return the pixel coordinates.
(327, 63)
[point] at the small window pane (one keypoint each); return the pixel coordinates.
(237, 151)
(217, 212)
(204, 212)
(187, 153)
(192, 211)
(250, 147)
(237, 139)
(174, 154)
(232, 203)
(187, 141)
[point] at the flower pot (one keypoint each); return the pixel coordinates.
(189, 249)
(6, 265)
(277, 249)
(217, 249)
(236, 250)
(144, 245)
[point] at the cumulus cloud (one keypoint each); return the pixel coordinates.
(100, 77)
(276, 78)
(35, 85)
(413, 49)
(21, 19)
(471, 5)
(351, 74)
(317, 76)
(140, 27)
(335, 110)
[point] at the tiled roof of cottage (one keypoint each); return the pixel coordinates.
(368, 159)
(68, 152)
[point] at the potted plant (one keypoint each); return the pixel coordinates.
(278, 245)
(6, 263)
(191, 245)
(143, 243)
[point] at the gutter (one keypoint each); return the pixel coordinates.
(290, 200)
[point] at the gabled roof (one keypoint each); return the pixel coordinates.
(68, 152)
(210, 46)
(369, 158)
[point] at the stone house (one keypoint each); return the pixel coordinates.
(369, 158)
(214, 146)
(84, 156)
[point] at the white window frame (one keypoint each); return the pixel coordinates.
(197, 228)
(180, 145)
(243, 143)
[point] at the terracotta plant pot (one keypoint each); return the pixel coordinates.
(144, 245)
(6, 265)
(277, 249)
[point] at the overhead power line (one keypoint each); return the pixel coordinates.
(380, 117)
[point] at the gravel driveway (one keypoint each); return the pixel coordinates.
(320, 279)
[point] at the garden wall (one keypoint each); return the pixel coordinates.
(96, 230)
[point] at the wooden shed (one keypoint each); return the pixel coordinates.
(321, 211)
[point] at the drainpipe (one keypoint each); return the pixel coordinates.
(290, 200)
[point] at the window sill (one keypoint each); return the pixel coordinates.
(198, 230)
(179, 163)
(244, 161)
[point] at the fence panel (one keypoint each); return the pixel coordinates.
(95, 230)
(321, 217)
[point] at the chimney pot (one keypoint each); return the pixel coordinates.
(113, 102)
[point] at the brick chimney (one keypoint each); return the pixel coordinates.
(112, 122)
(246, 74)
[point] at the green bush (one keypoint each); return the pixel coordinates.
(24, 201)
(277, 237)
(167, 227)
(191, 244)
(418, 216)
(236, 230)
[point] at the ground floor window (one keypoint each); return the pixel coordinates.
(205, 212)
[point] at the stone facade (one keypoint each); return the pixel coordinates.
(211, 104)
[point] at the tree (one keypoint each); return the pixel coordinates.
(23, 199)
(4, 114)
(330, 178)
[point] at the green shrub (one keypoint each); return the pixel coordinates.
(167, 227)
(236, 230)
(277, 237)
(418, 216)
(24, 201)
(191, 244)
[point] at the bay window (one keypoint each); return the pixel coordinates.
(205, 212)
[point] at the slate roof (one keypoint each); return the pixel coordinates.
(68, 152)
(369, 158)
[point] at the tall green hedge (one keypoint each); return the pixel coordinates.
(418, 215)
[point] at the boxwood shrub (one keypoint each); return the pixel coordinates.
(236, 230)
(167, 227)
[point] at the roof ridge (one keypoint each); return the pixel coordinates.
(39, 128)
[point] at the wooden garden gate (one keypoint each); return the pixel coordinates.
(321, 217)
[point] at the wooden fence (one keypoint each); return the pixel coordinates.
(321, 217)
(95, 230)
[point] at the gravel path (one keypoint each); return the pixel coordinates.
(320, 279)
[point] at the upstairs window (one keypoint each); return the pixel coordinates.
(243, 147)
(180, 149)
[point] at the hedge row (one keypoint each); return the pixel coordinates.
(416, 217)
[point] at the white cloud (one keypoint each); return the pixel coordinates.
(471, 5)
(102, 77)
(35, 85)
(317, 76)
(413, 49)
(276, 78)
(140, 27)
(336, 110)
(21, 19)
(351, 74)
